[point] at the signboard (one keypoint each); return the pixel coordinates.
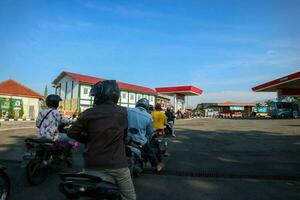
(4, 103)
(262, 109)
(237, 108)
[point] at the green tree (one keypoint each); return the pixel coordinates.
(44, 106)
(21, 112)
(199, 110)
(11, 112)
(297, 101)
(46, 91)
(269, 102)
(0, 111)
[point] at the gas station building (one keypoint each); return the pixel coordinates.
(180, 95)
(285, 86)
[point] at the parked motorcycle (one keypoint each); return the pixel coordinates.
(83, 185)
(41, 155)
(4, 184)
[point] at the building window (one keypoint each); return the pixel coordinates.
(85, 90)
(151, 98)
(124, 95)
(66, 90)
(131, 97)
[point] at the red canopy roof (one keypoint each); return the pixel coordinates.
(291, 81)
(92, 80)
(183, 90)
(13, 88)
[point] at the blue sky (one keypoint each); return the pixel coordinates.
(224, 47)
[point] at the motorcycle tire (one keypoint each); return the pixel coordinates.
(35, 173)
(4, 186)
(69, 195)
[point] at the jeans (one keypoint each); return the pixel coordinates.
(65, 138)
(121, 176)
(150, 154)
(172, 126)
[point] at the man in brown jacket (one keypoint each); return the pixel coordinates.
(102, 130)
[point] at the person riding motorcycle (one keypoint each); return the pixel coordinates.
(139, 118)
(159, 117)
(102, 129)
(48, 122)
(171, 119)
(49, 119)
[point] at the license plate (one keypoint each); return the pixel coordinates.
(29, 156)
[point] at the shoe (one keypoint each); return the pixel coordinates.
(173, 135)
(159, 168)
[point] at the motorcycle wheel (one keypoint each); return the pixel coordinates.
(4, 186)
(35, 173)
(68, 192)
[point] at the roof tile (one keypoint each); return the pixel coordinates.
(13, 88)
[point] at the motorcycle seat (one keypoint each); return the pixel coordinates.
(39, 140)
(88, 176)
(79, 177)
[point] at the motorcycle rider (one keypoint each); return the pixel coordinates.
(170, 119)
(140, 119)
(102, 129)
(50, 118)
(48, 121)
(159, 117)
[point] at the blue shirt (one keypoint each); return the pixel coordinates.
(140, 119)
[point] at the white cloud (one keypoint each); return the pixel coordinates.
(235, 96)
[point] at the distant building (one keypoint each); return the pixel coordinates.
(21, 96)
(227, 109)
(164, 100)
(74, 89)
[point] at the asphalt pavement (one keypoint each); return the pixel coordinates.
(209, 159)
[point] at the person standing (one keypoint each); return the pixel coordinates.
(102, 129)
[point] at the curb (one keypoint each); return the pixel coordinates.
(12, 120)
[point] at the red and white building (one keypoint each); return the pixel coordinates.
(74, 89)
(22, 97)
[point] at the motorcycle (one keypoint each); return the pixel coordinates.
(4, 184)
(76, 186)
(43, 154)
(159, 143)
(137, 158)
(169, 129)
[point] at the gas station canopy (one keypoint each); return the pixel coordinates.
(179, 93)
(180, 90)
(285, 86)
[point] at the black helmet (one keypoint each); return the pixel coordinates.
(144, 103)
(104, 91)
(52, 100)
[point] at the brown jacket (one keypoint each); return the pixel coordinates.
(102, 129)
